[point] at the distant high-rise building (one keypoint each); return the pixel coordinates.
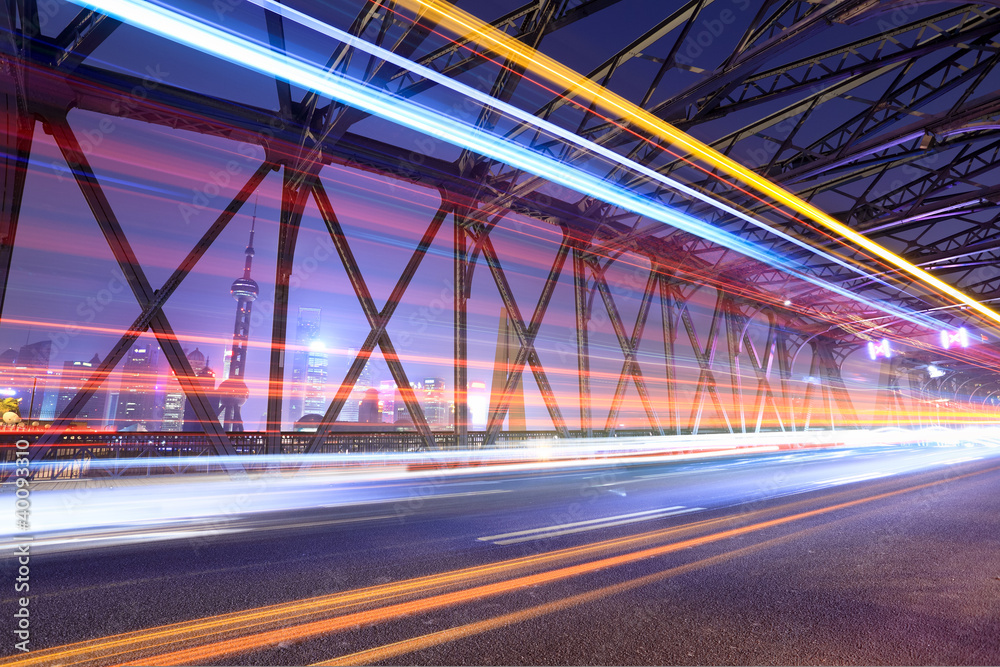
(351, 411)
(387, 400)
(175, 405)
(368, 410)
(205, 379)
(51, 398)
(74, 375)
(173, 411)
(197, 360)
(32, 369)
(435, 403)
(111, 408)
(309, 367)
(316, 375)
(479, 404)
(352, 407)
(402, 415)
(233, 391)
(137, 392)
(507, 346)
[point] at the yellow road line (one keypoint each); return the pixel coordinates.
(261, 640)
(223, 631)
(460, 632)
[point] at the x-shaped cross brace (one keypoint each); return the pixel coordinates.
(150, 301)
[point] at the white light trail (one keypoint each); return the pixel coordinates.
(236, 49)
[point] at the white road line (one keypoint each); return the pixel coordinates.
(582, 526)
(383, 501)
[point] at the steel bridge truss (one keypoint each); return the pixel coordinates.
(918, 58)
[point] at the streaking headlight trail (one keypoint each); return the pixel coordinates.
(213, 41)
(479, 32)
(541, 124)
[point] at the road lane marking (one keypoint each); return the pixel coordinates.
(226, 634)
(243, 644)
(578, 523)
(384, 501)
(583, 526)
(405, 646)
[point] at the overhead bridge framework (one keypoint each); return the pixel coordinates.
(892, 170)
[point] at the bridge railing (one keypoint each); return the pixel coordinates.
(100, 454)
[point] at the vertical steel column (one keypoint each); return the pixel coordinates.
(293, 200)
(810, 385)
(888, 398)
(673, 424)
(838, 391)
(705, 356)
(784, 369)
(762, 364)
(582, 338)
(461, 391)
(734, 327)
(16, 130)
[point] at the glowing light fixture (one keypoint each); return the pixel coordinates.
(950, 339)
(882, 349)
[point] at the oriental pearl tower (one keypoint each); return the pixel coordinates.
(233, 390)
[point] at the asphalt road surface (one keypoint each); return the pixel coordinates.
(866, 555)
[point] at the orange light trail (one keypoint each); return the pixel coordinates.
(480, 32)
(405, 646)
(119, 647)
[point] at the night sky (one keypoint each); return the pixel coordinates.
(167, 186)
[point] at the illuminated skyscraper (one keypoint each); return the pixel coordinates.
(137, 393)
(479, 404)
(309, 367)
(74, 375)
(435, 402)
(387, 400)
(315, 400)
(205, 378)
(351, 411)
(233, 390)
(175, 404)
(31, 369)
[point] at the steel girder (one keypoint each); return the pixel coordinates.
(767, 66)
(916, 60)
